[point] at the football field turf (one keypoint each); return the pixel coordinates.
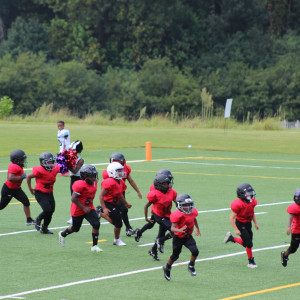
(35, 266)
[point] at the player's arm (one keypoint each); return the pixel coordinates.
(255, 222)
(146, 212)
(289, 224)
(75, 200)
(28, 179)
(77, 166)
(13, 178)
(133, 184)
(128, 205)
(174, 229)
(103, 192)
(197, 232)
(232, 222)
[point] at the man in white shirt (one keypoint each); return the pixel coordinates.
(63, 136)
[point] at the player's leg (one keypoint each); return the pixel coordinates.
(192, 246)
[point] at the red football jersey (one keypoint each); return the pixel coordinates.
(244, 211)
(183, 219)
(86, 194)
(45, 179)
(162, 203)
(115, 190)
(16, 170)
(294, 209)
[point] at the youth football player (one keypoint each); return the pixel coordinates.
(45, 177)
(183, 222)
(241, 217)
(82, 207)
(111, 194)
(12, 186)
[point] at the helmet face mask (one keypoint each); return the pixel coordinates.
(117, 157)
(77, 146)
(297, 196)
(162, 183)
(185, 203)
(245, 192)
(167, 173)
(18, 157)
(47, 161)
(115, 170)
(89, 174)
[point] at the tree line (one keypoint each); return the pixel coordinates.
(126, 56)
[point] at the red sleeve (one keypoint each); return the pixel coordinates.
(235, 207)
(105, 174)
(174, 194)
(76, 187)
(106, 184)
(152, 196)
(293, 209)
(35, 171)
(174, 217)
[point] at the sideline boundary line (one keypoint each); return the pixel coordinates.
(132, 273)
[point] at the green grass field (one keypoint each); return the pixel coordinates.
(34, 266)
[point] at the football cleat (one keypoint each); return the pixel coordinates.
(61, 239)
(160, 246)
(153, 254)
(98, 211)
(30, 222)
(96, 249)
(284, 259)
(228, 237)
(37, 224)
(129, 232)
(167, 272)
(119, 242)
(70, 221)
(252, 264)
(137, 235)
(192, 270)
(45, 231)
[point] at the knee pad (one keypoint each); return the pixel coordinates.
(195, 252)
(248, 243)
(174, 257)
(75, 229)
(96, 225)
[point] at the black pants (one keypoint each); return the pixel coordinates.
(91, 217)
(188, 242)
(295, 240)
(47, 203)
(115, 214)
(246, 233)
(7, 194)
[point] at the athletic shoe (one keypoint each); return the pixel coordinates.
(70, 221)
(284, 259)
(61, 239)
(153, 254)
(45, 231)
(37, 224)
(96, 249)
(129, 232)
(160, 246)
(228, 238)
(30, 222)
(137, 235)
(167, 272)
(251, 264)
(119, 242)
(192, 270)
(98, 211)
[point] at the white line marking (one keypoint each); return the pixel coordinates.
(142, 218)
(224, 165)
(132, 272)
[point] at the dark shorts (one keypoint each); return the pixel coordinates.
(7, 194)
(295, 240)
(188, 242)
(115, 214)
(91, 217)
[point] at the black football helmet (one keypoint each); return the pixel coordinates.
(77, 146)
(160, 181)
(168, 173)
(184, 201)
(245, 192)
(88, 173)
(18, 157)
(297, 196)
(118, 157)
(47, 160)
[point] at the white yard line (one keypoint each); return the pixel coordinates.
(132, 273)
